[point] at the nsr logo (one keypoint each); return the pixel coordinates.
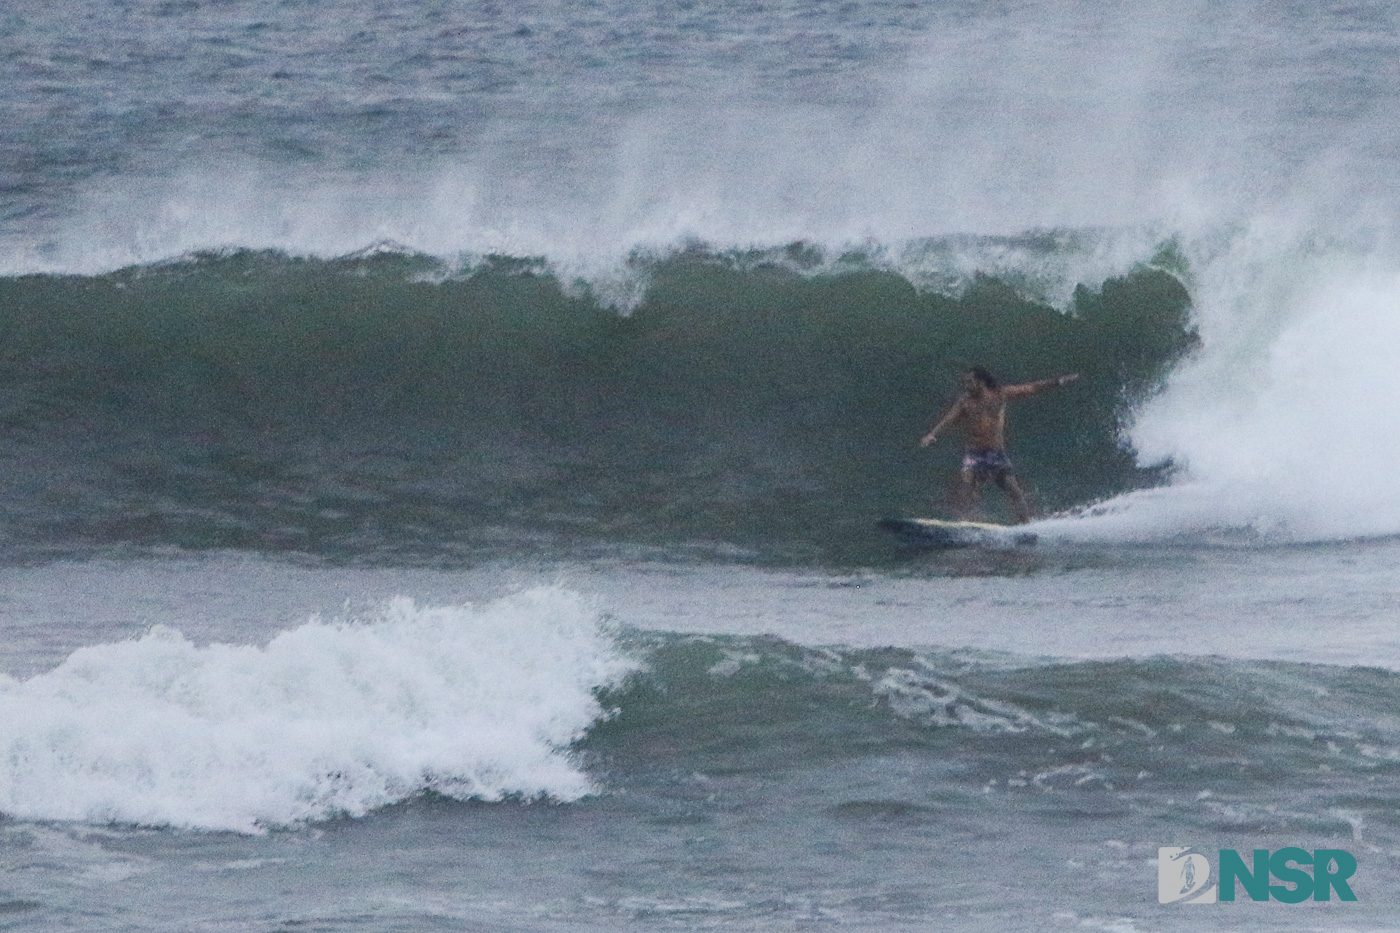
(1182, 875)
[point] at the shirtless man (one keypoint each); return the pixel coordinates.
(982, 413)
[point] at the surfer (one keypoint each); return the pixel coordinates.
(981, 412)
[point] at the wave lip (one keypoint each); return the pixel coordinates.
(331, 718)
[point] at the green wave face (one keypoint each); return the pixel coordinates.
(379, 407)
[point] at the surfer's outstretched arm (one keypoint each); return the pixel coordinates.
(1031, 388)
(952, 414)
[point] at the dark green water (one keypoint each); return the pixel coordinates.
(386, 407)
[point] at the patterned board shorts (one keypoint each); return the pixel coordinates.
(986, 462)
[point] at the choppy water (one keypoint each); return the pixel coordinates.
(690, 746)
(440, 448)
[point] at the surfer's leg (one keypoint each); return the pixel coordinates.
(1017, 495)
(966, 492)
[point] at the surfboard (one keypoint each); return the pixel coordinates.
(935, 533)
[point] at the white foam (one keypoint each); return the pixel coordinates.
(328, 718)
(1287, 423)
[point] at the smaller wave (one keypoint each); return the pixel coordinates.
(1156, 727)
(331, 718)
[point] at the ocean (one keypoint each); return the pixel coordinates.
(442, 445)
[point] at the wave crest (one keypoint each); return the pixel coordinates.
(331, 718)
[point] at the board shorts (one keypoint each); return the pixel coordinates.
(987, 463)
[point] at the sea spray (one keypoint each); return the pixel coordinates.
(327, 719)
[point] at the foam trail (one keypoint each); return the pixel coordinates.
(327, 719)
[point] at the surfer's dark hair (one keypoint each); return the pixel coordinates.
(984, 377)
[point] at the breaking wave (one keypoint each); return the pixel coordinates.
(329, 719)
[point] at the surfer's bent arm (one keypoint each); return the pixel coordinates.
(1031, 388)
(948, 418)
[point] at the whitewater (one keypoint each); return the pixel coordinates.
(442, 446)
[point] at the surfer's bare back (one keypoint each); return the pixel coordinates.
(980, 412)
